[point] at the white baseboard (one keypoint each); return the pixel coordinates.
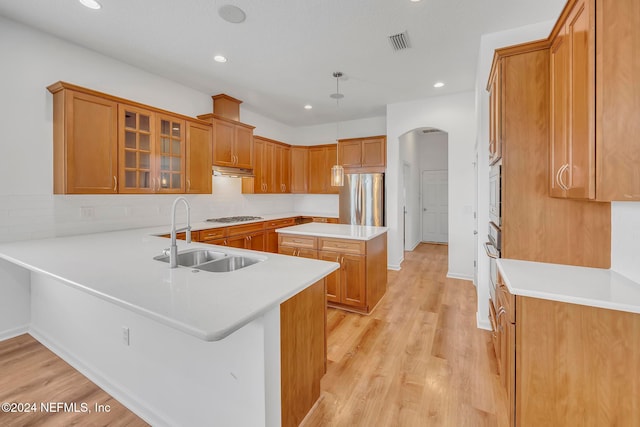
(451, 275)
(482, 323)
(393, 267)
(12, 333)
(413, 247)
(99, 379)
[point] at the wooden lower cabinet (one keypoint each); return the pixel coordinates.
(303, 352)
(271, 236)
(567, 364)
(360, 282)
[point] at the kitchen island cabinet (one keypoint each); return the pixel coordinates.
(201, 348)
(570, 344)
(361, 251)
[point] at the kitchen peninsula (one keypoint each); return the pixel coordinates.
(361, 251)
(179, 346)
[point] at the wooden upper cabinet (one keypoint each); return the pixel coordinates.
(244, 146)
(223, 140)
(321, 159)
(105, 144)
(232, 142)
(363, 154)
(573, 104)
(170, 152)
(299, 169)
(559, 114)
(282, 169)
(595, 101)
(199, 140)
(85, 143)
(331, 157)
(617, 100)
(350, 153)
(495, 113)
(136, 140)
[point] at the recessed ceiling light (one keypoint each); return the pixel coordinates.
(438, 84)
(308, 107)
(415, 1)
(232, 14)
(220, 58)
(91, 4)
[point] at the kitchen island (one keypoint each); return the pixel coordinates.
(177, 346)
(361, 251)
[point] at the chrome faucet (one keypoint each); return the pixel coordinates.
(173, 250)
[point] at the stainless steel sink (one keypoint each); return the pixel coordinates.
(230, 263)
(213, 261)
(193, 257)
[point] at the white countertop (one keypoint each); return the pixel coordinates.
(119, 267)
(339, 231)
(595, 287)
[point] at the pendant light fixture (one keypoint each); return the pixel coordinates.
(337, 171)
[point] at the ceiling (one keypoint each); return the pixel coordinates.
(283, 56)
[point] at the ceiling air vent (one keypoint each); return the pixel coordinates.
(399, 41)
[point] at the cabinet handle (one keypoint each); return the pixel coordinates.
(159, 184)
(563, 169)
(115, 183)
(188, 184)
(298, 252)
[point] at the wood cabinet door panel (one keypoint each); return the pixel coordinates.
(169, 154)
(342, 245)
(350, 153)
(136, 147)
(317, 170)
(237, 241)
(334, 293)
(559, 115)
(374, 152)
(243, 148)
(198, 158)
(581, 143)
(330, 160)
(255, 241)
(223, 141)
(268, 171)
(91, 146)
(353, 280)
(299, 169)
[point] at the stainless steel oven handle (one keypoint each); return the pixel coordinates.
(491, 254)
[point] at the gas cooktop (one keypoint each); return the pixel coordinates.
(234, 218)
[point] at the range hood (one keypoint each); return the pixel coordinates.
(232, 172)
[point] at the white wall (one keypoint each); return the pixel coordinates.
(454, 114)
(625, 239)
(434, 151)
(326, 134)
(410, 158)
(488, 44)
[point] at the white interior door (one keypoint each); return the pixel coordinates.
(435, 206)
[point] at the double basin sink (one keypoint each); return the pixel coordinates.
(208, 260)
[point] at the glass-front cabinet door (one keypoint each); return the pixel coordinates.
(170, 155)
(136, 150)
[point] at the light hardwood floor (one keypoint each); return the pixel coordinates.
(417, 360)
(30, 373)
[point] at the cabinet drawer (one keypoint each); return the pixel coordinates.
(212, 234)
(279, 223)
(345, 246)
(297, 241)
(245, 229)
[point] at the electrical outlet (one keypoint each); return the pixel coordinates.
(87, 212)
(125, 335)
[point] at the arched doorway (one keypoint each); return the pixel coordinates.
(424, 159)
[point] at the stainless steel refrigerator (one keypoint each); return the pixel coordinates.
(362, 199)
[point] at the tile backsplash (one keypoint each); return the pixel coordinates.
(25, 217)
